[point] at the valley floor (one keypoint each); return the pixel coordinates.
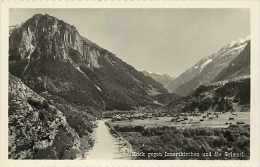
(226, 136)
(222, 121)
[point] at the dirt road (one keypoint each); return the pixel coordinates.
(106, 146)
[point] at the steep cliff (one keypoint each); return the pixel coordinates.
(51, 55)
(37, 129)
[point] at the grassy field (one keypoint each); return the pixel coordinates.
(223, 121)
(225, 136)
(196, 143)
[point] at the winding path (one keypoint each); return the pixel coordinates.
(106, 146)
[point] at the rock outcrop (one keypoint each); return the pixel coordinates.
(37, 129)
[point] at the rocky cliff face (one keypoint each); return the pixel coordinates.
(50, 55)
(37, 129)
(210, 69)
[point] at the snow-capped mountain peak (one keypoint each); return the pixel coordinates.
(209, 68)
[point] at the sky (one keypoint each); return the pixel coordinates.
(164, 41)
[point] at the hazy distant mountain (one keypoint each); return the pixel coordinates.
(214, 68)
(164, 79)
(166, 98)
(51, 56)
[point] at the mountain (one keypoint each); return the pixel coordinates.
(166, 98)
(36, 127)
(164, 79)
(222, 96)
(215, 67)
(59, 83)
(51, 57)
(239, 67)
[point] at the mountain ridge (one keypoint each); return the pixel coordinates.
(50, 52)
(206, 70)
(164, 79)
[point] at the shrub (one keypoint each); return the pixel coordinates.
(170, 139)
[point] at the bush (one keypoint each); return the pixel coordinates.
(170, 139)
